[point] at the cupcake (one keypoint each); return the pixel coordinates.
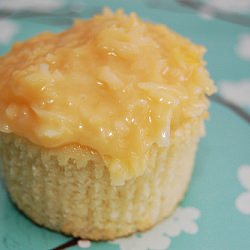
(100, 124)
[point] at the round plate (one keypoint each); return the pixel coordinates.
(215, 213)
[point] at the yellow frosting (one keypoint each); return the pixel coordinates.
(113, 83)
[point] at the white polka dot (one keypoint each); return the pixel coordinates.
(161, 236)
(172, 229)
(244, 176)
(8, 30)
(84, 243)
(237, 92)
(243, 203)
(243, 47)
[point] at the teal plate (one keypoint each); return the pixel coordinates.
(215, 214)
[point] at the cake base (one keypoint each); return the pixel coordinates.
(68, 189)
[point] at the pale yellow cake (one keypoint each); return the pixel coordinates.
(99, 124)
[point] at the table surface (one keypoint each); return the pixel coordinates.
(215, 213)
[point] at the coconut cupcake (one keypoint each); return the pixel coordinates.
(100, 124)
